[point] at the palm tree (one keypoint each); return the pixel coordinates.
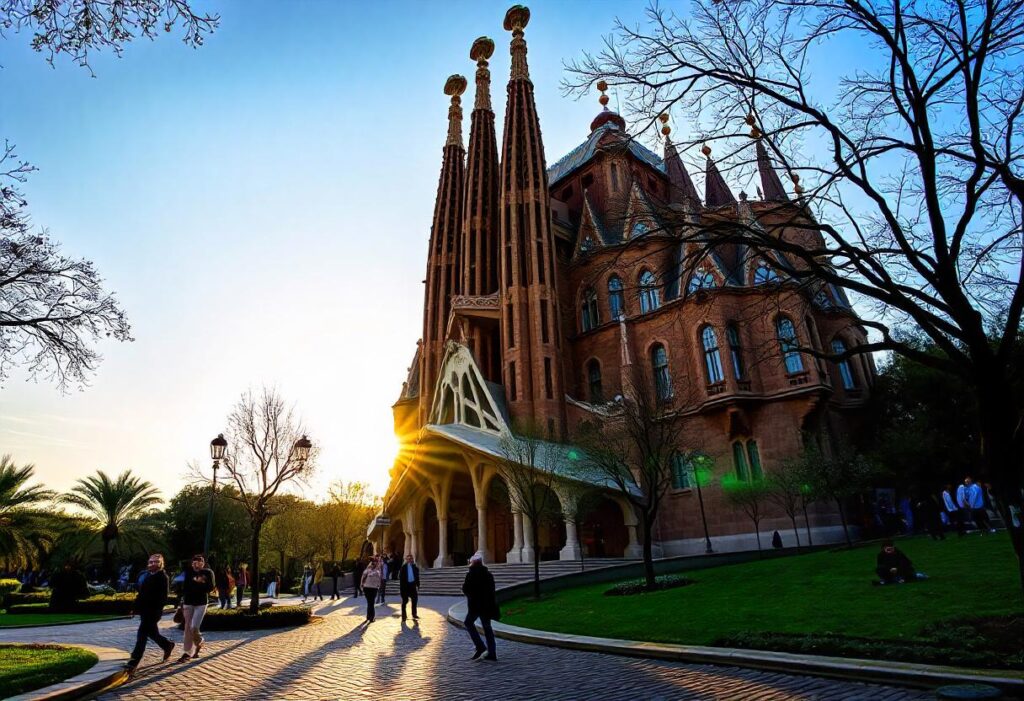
(118, 512)
(26, 530)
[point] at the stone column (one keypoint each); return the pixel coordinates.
(417, 549)
(481, 533)
(633, 550)
(527, 551)
(444, 558)
(407, 550)
(516, 553)
(571, 551)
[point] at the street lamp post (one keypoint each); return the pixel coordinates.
(700, 499)
(218, 446)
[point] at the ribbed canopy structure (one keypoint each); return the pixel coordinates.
(530, 328)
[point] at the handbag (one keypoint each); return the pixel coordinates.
(179, 615)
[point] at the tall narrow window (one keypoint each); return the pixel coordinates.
(845, 371)
(756, 472)
(788, 345)
(616, 300)
(682, 472)
(649, 299)
(712, 359)
(615, 177)
(732, 335)
(512, 380)
(544, 321)
(510, 334)
(739, 458)
(547, 378)
(588, 311)
(662, 377)
(594, 388)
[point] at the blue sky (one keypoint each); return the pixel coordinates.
(261, 206)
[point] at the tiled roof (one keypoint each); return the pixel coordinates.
(585, 151)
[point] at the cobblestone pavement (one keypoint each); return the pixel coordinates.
(343, 658)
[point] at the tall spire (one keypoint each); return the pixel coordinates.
(716, 192)
(443, 270)
(530, 327)
(682, 188)
(480, 223)
(771, 185)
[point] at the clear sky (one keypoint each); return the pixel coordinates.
(261, 206)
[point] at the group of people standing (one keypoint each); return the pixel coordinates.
(372, 582)
(968, 503)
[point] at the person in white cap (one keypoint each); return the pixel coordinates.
(479, 591)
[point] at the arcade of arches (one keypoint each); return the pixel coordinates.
(457, 505)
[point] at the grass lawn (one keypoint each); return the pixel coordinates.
(818, 593)
(27, 667)
(41, 619)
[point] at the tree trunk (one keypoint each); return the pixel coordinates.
(108, 561)
(807, 524)
(649, 579)
(254, 569)
(842, 517)
(796, 531)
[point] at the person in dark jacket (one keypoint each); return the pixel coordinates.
(479, 591)
(893, 567)
(67, 588)
(149, 606)
(408, 585)
(357, 576)
(195, 595)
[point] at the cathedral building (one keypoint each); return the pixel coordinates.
(548, 285)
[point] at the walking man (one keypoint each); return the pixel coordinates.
(149, 605)
(408, 585)
(479, 591)
(241, 582)
(195, 595)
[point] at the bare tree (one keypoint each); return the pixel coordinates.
(750, 496)
(530, 467)
(910, 195)
(787, 489)
(634, 449)
(267, 449)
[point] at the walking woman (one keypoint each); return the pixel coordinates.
(318, 577)
(225, 587)
(370, 583)
(195, 595)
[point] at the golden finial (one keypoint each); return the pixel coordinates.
(706, 150)
(795, 178)
(455, 85)
(517, 17)
(603, 86)
(665, 128)
(482, 49)
(750, 119)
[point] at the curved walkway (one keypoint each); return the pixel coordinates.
(341, 657)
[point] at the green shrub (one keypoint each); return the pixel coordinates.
(9, 586)
(639, 586)
(35, 597)
(113, 604)
(29, 608)
(272, 617)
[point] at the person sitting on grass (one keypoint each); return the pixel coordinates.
(893, 567)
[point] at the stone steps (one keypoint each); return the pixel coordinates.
(447, 581)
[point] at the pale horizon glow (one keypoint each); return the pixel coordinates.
(262, 207)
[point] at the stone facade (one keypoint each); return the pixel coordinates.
(594, 271)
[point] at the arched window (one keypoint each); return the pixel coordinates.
(739, 459)
(616, 300)
(788, 345)
(712, 359)
(595, 391)
(732, 335)
(588, 311)
(845, 371)
(662, 377)
(756, 472)
(639, 229)
(701, 280)
(649, 299)
(765, 274)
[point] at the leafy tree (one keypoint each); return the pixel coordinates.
(27, 529)
(751, 497)
(837, 477)
(186, 524)
(341, 522)
(287, 532)
(910, 196)
(266, 451)
(119, 513)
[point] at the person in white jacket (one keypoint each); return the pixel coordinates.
(971, 500)
(953, 512)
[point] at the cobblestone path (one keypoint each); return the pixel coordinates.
(343, 658)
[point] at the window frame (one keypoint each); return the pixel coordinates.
(616, 298)
(662, 372)
(714, 373)
(650, 299)
(789, 347)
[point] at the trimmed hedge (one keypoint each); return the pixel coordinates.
(35, 597)
(272, 617)
(639, 586)
(9, 586)
(29, 608)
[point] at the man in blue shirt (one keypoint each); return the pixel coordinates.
(972, 500)
(408, 585)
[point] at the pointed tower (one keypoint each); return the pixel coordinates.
(716, 192)
(530, 325)
(443, 269)
(480, 223)
(682, 189)
(771, 185)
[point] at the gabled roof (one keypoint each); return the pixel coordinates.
(639, 209)
(583, 153)
(590, 221)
